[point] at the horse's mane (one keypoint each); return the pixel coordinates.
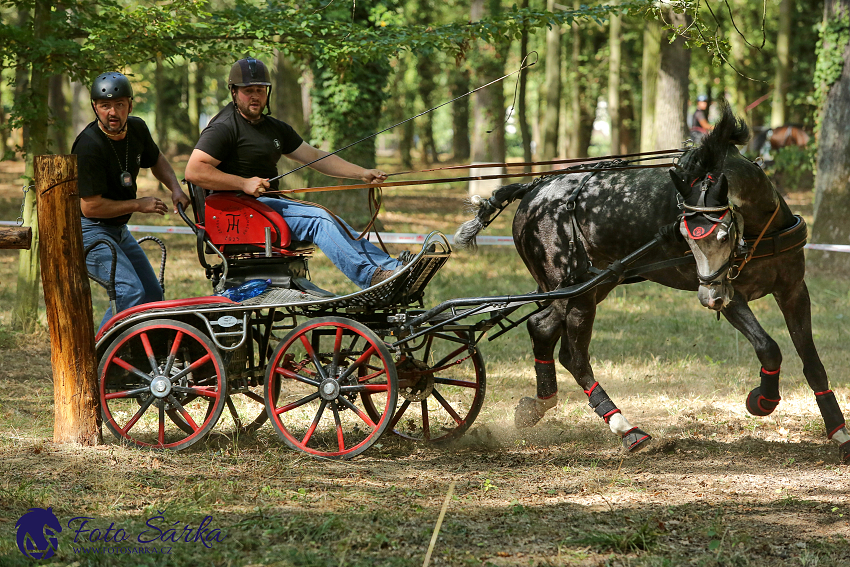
(709, 156)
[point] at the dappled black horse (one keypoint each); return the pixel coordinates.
(715, 203)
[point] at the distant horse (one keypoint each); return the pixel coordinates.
(567, 226)
(781, 137)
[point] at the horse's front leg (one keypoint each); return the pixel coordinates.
(797, 309)
(575, 356)
(763, 399)
(544, 328)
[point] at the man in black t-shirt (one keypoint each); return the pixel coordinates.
(239, 150)
(110, 151)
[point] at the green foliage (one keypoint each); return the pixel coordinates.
(833, 37)
(794, 167)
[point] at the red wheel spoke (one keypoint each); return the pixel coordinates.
(183, 412)
(161, 433)
(290, 374)
(312, 353)
(207, 392)
(130, 368)
(441, 365)
(451, 382)
(173, 353)
(357, 410)
(447, 406)
(357, 363)
(337, 346)
(126, 393)
(138, 415)
(372, 376)
(426, 425)
(148, 350)
(316, 419)
(399, 412)
(371, 388)
(194, 366)
(297, 404)
(339, 437)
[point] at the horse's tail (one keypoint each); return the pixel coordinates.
(501, 198)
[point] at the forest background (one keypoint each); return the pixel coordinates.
(611, 79)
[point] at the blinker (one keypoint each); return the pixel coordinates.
(700, 226)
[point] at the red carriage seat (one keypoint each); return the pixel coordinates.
(251, 239)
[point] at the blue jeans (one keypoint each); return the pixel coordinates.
(135, 280)
(357, 259)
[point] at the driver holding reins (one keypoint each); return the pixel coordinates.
(239, 150)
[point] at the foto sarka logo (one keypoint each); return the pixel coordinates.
(36, 533)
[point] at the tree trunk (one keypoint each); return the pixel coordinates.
(59, 114)
(551, 115)
(458, 85)
(649, 80)
(574, 144)
(22, 78)
(739, 87)
(4, 130)
(832, 191)
(193, 110)
(161, 126)
(426, 86)
(614, 44)
(81, 111)
(67, 298)
(288, 105)
(522, 111)
(783, 64)
(25, 314)
(671, 128)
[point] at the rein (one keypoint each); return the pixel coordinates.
(752, 250)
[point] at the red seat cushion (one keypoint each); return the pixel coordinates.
(235, 218)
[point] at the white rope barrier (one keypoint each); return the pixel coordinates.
(410, 237)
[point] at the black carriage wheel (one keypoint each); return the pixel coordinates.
(156, 370)
(320, 370)
(442, 383)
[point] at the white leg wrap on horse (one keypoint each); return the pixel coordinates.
(841, 436)
(619, 424)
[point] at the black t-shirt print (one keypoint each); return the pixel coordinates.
(100, 162)
(245, 149)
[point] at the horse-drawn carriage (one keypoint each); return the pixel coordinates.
(333, 372)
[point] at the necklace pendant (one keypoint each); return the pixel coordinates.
(126, 179)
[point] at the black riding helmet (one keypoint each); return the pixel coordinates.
(111, 85)
(248, 72)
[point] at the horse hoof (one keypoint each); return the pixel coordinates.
(759, 405)
(635, 439)
(844, 450)
(526, 414)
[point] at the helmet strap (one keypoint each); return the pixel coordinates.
(103, 127)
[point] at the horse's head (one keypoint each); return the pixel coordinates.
(713, 230)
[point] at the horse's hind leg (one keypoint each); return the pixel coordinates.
(796, 308)
(544, 328)
(575, 356)
(763, 399)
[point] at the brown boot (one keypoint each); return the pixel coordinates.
(380, 275)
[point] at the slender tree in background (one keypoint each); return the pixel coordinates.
(522, 111)
(549, 127)
(458, 85)
(650, 64)
(614, 52)
(574, 110)
(488, 105)
(289, 107)
(783, 63)
(672, 92)
(739, 52)
(832, 190)
(425, 72)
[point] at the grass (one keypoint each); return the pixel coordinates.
(719, 487)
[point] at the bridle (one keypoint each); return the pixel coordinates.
(725, 216)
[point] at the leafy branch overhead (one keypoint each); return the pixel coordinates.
(87, 37)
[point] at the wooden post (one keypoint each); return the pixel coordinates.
(68, 300)
(16, 237)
